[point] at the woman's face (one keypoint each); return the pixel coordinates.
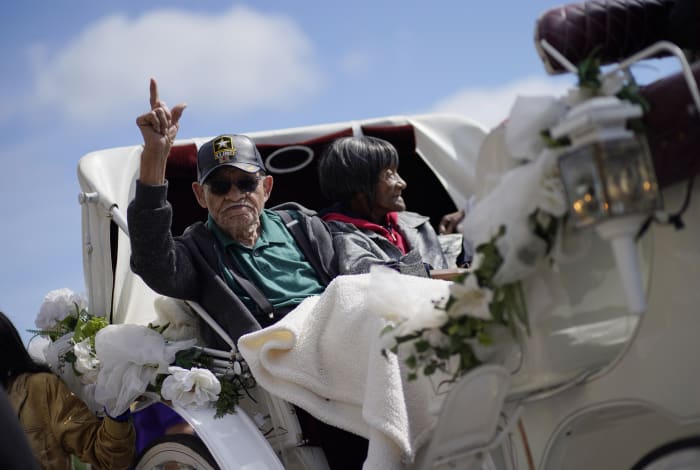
(387, 195)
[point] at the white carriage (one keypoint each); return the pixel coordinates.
(604, 380)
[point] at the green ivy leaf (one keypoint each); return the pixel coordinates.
(192, 357)
(551, 142)
(484, 338)
(229, 397)
(87, 327)
(422, 345)
(589, 71)
(158, 328)
(411, 361)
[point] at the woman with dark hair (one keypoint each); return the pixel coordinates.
(58, 423)
(369, 220)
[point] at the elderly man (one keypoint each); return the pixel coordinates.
(246, 265)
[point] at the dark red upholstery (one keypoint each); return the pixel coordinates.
(300, 186)
(180, 172)
(424, 194)
(673, 128)
(613, 29)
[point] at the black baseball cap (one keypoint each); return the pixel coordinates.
(234, 150)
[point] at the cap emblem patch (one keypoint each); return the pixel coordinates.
(224, 150)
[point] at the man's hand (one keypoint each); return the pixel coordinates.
(159, 128)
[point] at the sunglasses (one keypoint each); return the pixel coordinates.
(223, 186)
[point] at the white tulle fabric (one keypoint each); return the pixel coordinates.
(131, 357)
(52, 351)
(520, 190)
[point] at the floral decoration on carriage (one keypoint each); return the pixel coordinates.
(114, 367)
(568, 162)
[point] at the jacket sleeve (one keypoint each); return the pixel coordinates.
(104, 443)
(357, 253)
(321, 238)
(422, 238)
(162, 261)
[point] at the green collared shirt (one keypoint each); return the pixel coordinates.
(275, 265)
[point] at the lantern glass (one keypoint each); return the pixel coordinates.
(630, 181)
(584, 191)
(609, 178)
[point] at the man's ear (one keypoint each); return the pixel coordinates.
(198, 191)
(267, 185)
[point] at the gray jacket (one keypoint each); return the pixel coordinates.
(358, 249)
(187, 266)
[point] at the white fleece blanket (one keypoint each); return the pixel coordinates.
(325, 356)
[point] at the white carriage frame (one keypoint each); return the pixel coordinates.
(592, 376)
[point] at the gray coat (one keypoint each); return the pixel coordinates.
(358, 250)
(187, 266)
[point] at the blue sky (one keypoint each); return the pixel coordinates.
(75, 76)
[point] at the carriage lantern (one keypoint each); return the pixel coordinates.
(609, 179)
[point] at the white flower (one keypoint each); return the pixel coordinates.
(196, 386)
(86, 362)
(470, 299)
(57, 305)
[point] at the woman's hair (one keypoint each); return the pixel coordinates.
(352, 165)
(14, 358)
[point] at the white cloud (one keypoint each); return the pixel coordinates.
(355, 63)
(230, 62)
(490, 106)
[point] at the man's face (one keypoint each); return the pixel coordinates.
(387, 193)
(236, 211)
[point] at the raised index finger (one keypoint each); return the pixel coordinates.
(155, 100)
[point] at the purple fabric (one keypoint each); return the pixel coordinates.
(151, 422)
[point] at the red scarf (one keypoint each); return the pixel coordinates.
(389, 231)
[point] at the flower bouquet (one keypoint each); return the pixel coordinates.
(113, 366)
